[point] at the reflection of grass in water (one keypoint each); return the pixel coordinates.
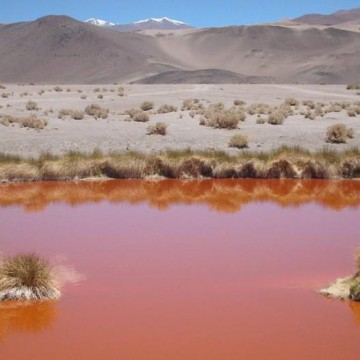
(25, 317)
(355, 308)
(27, 277)
(221, 195)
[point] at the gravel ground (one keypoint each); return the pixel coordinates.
(116, 134)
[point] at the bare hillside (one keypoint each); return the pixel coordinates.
(336, 18)
(60, 49)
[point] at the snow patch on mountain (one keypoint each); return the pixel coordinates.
(161, 20)
(99, 22)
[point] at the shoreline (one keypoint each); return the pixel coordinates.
(282, 163)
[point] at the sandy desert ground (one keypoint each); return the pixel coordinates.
(117, 134)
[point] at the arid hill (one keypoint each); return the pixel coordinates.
(58, 49)
(336, 18)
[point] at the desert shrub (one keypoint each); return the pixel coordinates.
(239, 141)
(192, 104)
(337, 134)
(309, 103)
(100, 96)
(147, 105)
(350, 133)
(83, 97)
(159, 128)
(141, 116)
(334, 108)
(132, 112)
(31, 105)
(31, 122)
(277, 117)
(27, 277)
(259, 108)
(97, 90)
(5, 95)
(261, 121)
(218, 117)
(2, 87)
(292, 102)
(78, 115)
(351, 112)
(238, 102)
(74, 114)
(41, 92)
(353, 87)
(164, 109)
(97, 111)
(58, 89)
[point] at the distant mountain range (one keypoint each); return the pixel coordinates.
(164, 23)
(59, 49)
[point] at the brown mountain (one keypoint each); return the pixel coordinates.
(339, 17)
(58, 49)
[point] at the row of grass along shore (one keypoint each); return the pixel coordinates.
(284, 162)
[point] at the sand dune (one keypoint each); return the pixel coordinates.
(60, 49)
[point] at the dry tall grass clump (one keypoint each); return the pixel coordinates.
(159, 128)
(338, 134)
(31, 105)
(164, 109)
(27, 277)
(346, 288)
(31, 122)
(74, 114)
(147, 105)
(239, 141)
(97, 111)
(285, 162)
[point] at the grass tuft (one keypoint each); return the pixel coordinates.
(27, 277)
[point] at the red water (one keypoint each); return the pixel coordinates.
(228, 271)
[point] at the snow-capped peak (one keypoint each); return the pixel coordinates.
(99, 22)
(161, 20)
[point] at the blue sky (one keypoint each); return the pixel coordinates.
(199, 13)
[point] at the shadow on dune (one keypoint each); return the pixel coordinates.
(219, 195)
(20, 317)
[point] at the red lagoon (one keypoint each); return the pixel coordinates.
(185, 270)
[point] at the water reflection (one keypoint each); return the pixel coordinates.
(22, 317)
(219, 195)
(355, 308)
